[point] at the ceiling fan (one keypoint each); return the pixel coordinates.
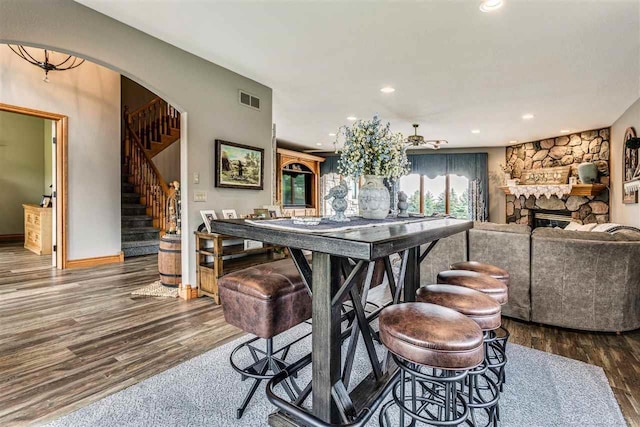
(416, 140)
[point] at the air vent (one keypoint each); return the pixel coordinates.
(249, 100)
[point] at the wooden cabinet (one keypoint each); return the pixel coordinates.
(37, 229)
(215, 259)
(291, 164)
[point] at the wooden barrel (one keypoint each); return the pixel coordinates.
(170, 260)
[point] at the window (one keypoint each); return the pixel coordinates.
(445, 194)
(296, 186)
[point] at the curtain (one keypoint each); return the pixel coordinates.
(330, 165)
(473, 166)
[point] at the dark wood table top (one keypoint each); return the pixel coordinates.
(365, 243)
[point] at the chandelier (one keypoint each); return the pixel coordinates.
(416, 140)
(46, 63)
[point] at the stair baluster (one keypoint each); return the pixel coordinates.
(142, 173)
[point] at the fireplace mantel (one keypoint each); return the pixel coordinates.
(576, 189)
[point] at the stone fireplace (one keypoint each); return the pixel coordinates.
(570, 150)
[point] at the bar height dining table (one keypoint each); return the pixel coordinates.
(329, 283)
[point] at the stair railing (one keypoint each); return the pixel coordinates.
(144, 175)
(154, 119)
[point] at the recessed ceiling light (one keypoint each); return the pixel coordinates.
(332, 134)
(475, 131)
(513, 141)
(318, 144)
(387, 89)
(490, 5)
(352, 118)
(564, 131)
(528, 116)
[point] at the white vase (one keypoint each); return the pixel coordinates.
(374, 198)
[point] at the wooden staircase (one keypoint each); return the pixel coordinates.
(156, 124)
(147, 131)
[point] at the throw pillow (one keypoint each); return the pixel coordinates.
(573, 226)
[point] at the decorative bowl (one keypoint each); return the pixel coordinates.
(306, 220)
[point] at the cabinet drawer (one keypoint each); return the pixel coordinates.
(31, 218)
(33, 238)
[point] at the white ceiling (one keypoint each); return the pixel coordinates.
(573, 64)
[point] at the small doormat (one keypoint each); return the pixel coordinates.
(156, 289)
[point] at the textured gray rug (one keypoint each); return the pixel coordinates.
(542, 390)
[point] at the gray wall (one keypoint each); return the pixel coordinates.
(21, 168)
(621, 213)
(208, 93)
(168, 162)
(90, 97)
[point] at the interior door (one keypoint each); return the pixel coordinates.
(54, 193)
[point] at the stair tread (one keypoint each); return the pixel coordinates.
(132, 205)
(137, 217)
(135, 230)
(140, 243)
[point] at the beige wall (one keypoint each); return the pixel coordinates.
(621, 213)
(496, 156)
(168, 162)
(209, 93)
(21, 168)
(90, 97)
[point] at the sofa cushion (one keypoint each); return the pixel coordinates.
(552, 233)
(504, 228)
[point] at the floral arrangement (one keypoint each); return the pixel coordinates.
(370, 148)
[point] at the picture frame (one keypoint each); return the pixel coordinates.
(631, 162)
(261, 213)
(208, 216)
(229, 214)
(239, 166)
(277, 212)
(46, 201)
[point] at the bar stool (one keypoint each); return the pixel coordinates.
(484, 268)
(264, 300)
(497, 290)
(434, 347)
(481, 391)
(502, 334)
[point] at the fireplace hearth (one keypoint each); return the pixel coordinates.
(550, 218)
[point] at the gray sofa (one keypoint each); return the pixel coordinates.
(580, 280)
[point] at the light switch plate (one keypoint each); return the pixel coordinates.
(199, 196)
(196, 178)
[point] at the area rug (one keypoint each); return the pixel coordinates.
(542, 390)
(156, 289)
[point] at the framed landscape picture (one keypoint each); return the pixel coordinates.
(239, 166)
(631, 160)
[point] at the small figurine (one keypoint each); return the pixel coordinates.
(339, 204)
(402, 205)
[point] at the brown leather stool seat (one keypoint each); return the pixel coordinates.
(266, 299)
(479, 307)
(476, 281)
(484, 268)
(431, 335)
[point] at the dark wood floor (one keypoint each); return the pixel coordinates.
(71, 338)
